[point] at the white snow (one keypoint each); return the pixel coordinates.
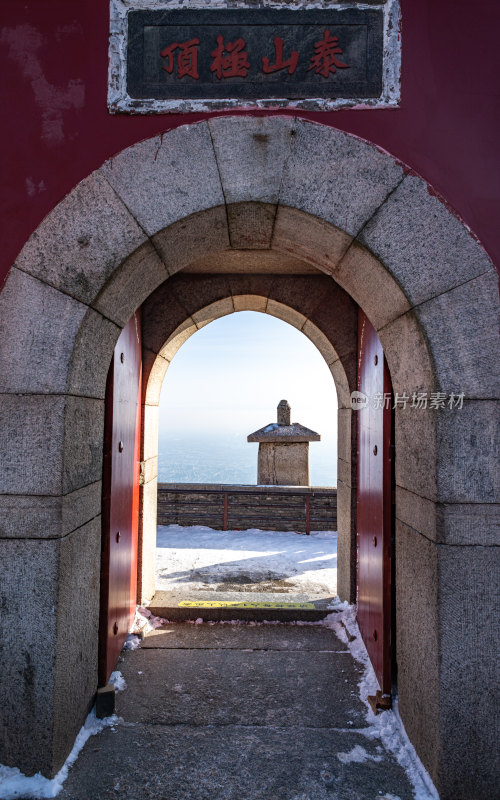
(117, 679)
(387, 726)
(13, 784)
(198, 557)
(357, 754)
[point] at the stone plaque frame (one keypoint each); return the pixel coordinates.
(137, 86)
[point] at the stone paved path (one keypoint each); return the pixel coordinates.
(238, 712)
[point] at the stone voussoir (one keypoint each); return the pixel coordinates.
(425, 248)
(336, 176)
(38, 326)
(80, 244)
(179, 176)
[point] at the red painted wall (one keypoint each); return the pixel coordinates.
(56, 128)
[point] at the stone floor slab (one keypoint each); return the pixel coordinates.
(233, 763)
(307, 638)
(241, 687)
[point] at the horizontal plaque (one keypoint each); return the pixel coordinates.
(172, 56)
(254, 53)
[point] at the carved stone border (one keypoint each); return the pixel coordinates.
(119, 102)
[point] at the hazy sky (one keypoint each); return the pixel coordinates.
(228, 378)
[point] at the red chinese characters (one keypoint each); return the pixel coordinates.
(187, 58)
(325, 58)
(279, 63)
(230, 60)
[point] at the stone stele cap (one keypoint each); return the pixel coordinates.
(283, 430)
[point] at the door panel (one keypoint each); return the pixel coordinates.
(120, 496)
(374, 492)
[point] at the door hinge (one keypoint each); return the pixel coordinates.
(380, 702)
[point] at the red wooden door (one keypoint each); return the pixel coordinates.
(120, 496)
(374, 512)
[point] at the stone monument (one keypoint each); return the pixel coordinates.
(283, 451)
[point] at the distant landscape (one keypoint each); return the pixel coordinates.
(230, 459)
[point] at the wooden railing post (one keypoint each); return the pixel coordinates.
(308, 514)
(226, 504)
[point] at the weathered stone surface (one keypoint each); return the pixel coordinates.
(38, 325)
(249, 762)
(79, 571)
(425, 247)
(83, 438)
(44, 674)
(195, 292)
(337, 317)
(416, 451)
(150, 431)
(251, 225)
(91, 356)
(345, 421)
(301, 292)
(179, 176)
(183, 689)
(371, 285)
(248, 262)
(447, 523)
(27, 656)
(309, 238)
(417, 621)
(131, 284)
(417, 512)
(178, 337)
(154, 369)
(83, 240)
(337, 177)
(344, 374)
(156, 324)
(147, 541)
(406, 350)
(213, 311)
(469, 524)
(462, 329)
(283, 464)
(286, 313)
(469, 587)
(323, 344)
(249, 302)
(468, 447)
(199, 235)
(344, 472)
(346, 543)
(150, 469)
(244, 637)
(251, 153)
(247, 283)
(32, 429)
(33, 517)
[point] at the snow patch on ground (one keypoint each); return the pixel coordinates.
(13, 784)
(118, 681)
(198, 557)
(357, 754)
(387, 726)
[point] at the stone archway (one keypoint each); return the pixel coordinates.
(187, 302)
(235, 185)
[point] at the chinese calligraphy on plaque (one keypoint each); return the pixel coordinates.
(254, 53)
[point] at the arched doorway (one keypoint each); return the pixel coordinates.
(241, 187)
